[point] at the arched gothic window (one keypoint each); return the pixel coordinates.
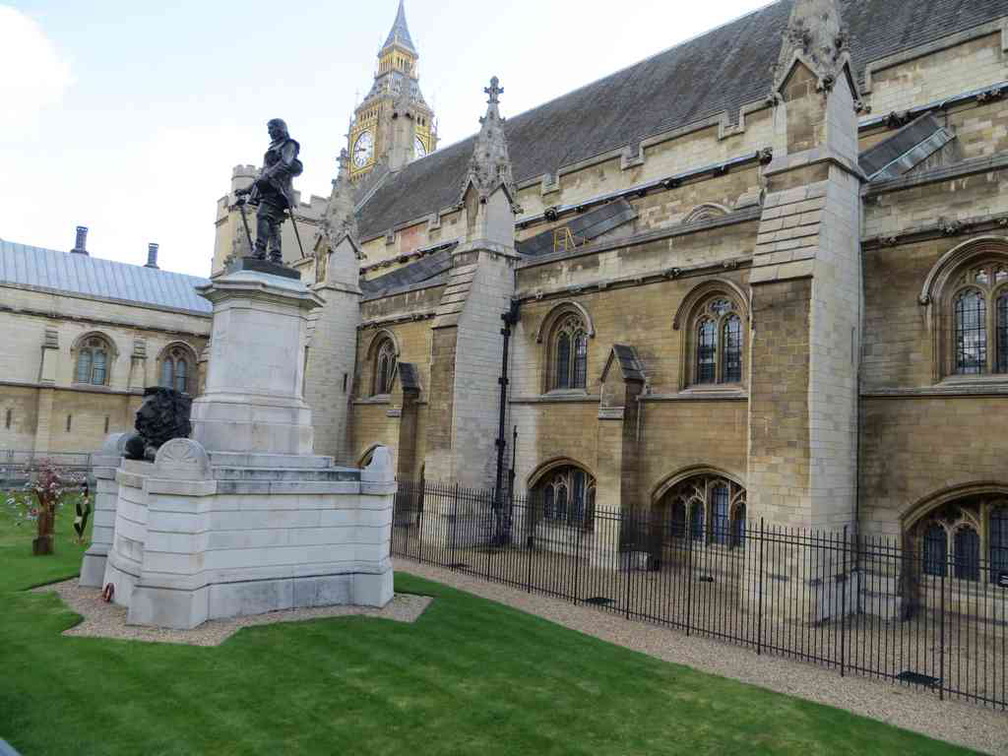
(568, 497)
(385, 367)
(715, 507)
(979, 319)
(569, 369)
(93, 360)
(952, 542)
(177, 363)
(718, 337)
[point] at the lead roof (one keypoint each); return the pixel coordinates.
(59, 272)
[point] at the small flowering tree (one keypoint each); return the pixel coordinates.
(42, 495)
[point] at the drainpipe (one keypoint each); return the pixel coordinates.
(510, 318)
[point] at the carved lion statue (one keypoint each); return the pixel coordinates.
(163, 415)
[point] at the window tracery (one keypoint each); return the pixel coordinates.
(177, 363)
(384, 367)
(569, 358)
(568, 497)
(956, 539)
(93, 357)
(978, 301)
(718, 342)
(708, 508)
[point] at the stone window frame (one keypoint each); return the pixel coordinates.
(87, 346)
(383, 345)
(569, 319)
(945, 284)
(696, 309)
(171, 355)
(549, 480)
(976, 511)
(687, 503)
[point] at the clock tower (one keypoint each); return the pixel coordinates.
(393, 124)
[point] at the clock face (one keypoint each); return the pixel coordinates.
(419, 148)
(363, 149)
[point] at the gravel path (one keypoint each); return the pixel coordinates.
(960, 723)
(109, 620)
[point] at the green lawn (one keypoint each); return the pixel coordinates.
(470, 677)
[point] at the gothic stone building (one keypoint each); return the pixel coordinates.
(81, 339)
(762, 274)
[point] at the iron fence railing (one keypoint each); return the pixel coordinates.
(16, 466)
(856, 604)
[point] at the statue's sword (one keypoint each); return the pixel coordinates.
(297, 236)
(248, 233)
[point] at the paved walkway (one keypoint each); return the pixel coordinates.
(960, 723)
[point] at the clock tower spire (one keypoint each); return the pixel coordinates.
(393, 125)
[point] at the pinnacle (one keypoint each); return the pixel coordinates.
(400, 31)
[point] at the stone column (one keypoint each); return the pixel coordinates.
(253, 400)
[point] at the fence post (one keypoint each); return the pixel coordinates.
(623, 530)
(759, 620)
(530, 510)
(454, 526)
(941, 647)
(843, 604)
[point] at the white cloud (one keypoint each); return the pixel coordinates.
(36, 76)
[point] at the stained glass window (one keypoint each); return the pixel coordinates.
(998, 541)
(1002, 333)
(697, 521)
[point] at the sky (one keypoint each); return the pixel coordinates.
(127, 117)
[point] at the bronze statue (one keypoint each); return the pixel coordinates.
(272, 191)
(163, 415)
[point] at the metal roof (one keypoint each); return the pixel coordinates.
(63, 272)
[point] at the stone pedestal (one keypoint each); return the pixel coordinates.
(253, 400)
(243, 518)
(103, 467)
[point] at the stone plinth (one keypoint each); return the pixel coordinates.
(253, 401)
(203, 536)
(104, 465)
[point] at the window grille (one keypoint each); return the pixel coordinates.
(570, 354)
(935, 550)
(998, 533)
(706, 351)
(967, 553)
(970, 333)
(719, 506)
(92, 362)
(732, 340)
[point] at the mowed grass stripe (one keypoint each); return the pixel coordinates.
(470, 676)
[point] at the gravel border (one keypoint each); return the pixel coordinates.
(955, 722)
(103, 620)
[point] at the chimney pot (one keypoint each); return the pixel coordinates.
(152, 249)
(80, 245)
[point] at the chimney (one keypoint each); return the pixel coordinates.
(80, 246)
(152, 249)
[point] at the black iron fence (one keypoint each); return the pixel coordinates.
(16, 466)
(856, 604)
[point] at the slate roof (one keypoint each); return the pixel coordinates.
(703, 77)
(61, 272)
(400, 31)
(629, 363)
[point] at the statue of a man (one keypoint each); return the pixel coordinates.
(272, 190)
